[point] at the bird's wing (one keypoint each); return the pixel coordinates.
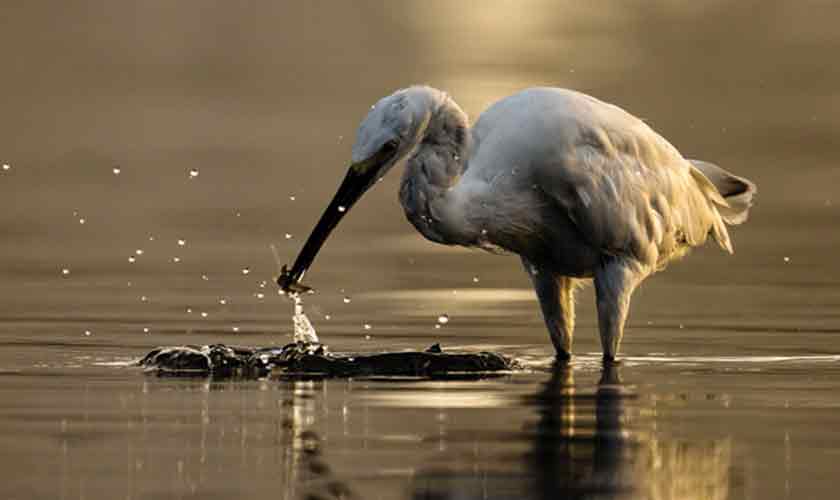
(628, 191)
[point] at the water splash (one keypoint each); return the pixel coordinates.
(304, 331)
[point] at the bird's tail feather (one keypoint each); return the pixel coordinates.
(735, 194)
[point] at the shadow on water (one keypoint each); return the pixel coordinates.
(591, 444)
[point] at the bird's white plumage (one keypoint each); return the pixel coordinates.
(579, 188)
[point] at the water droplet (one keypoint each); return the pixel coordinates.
(367, 337)
(681, 326)
(87, 333)
(129, 283)
(189, 310)
(176, 259)
(288, 236)
(116, 170)
(182, 243)
(139, 251)
(259, 295)
(6, 167)
(65, 272)
(342, 208)
(292, 198)
(263, 283)
(475, 279)
(437, 327)
(223, 301)
(787, 259)
(204, 314)
(443, 319)
(235, 328)
(82, 220)
(204, 277)
(145, 329)
(327, 317)
(193, 173)
(484, 232)
(246, 270)
(151, 237)
(367, 326)
(143, 298)
(346, 299)
(131, 259)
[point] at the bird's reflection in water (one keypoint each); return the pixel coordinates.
(594, 444)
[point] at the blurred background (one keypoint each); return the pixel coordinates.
(262, 102)
(153, 151)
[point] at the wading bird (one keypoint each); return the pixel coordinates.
(578, 188)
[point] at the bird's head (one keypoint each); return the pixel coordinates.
(388, 133)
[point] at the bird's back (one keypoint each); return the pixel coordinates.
(626, 189)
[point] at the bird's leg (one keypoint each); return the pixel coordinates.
(557, 301)
(615, 281)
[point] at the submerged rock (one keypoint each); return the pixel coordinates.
(304, 359)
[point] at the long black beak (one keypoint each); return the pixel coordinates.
(359, 179)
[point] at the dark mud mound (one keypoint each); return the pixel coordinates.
(314, 360)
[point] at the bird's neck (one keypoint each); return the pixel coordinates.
(434, 168)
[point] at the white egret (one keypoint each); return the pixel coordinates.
(578, 188)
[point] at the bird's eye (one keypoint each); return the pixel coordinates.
(390, 146)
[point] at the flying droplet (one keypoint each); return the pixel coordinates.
(235, 328)
(367, 337)
(223, 301)
(139, 251)
(176, 259)
(437, 327)
(205, 277)
(288, 236)
(327, 317)
(116, 170)
(182, 243)
(787, 259)
(246, 270)
(143, 298)
(475, 279)
(342, 208)
(263, 283)
(6, 167)
(204, 314)
(189, 310)
(131, 259)
(367, 326)
(259, 295)
(82, 220)
(193, 173)
(443, 319)
(151, 237)
(65, 272)
(346, 299)
(87, 333)
(292, 198)
(145, 329)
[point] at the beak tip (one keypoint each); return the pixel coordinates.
(290, 284)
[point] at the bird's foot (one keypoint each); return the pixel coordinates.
(562, 356)
(608, 360)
